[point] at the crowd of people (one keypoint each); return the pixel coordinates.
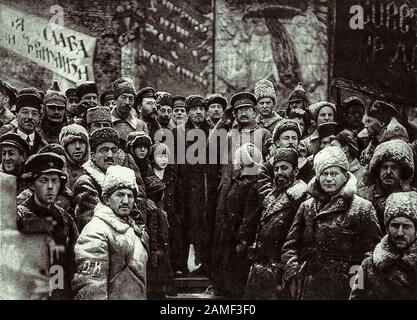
(310, 201)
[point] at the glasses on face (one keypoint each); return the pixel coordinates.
(28, 113)
(246, 110)
(106, 150)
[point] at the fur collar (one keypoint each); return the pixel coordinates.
(106, 214)
(94, 172)
(266, 122)
(274, 204)
(386, 255)
(347, 191)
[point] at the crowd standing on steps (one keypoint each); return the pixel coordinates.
(270, 199)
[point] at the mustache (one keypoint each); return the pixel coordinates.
(109, 159)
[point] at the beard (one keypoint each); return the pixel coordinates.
(282, 183)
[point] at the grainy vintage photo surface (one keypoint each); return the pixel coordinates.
(208, 150)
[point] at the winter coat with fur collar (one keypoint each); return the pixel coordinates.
(326, 239)
(111, 256)
(387, 274)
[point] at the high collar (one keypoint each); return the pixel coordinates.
(119, 224)
(386, 254)
(347, 191)
(274, 203)
(94, 172)
(266, 122)
(130, 120)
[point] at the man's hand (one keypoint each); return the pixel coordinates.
(228, 115)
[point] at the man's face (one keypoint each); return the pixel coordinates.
(161, 161)
(179, 115)
(390, 174)
(148, 107)
(105, 155)
(124, 102)
(265, 106)
(325, 114)
(55, 114)
(401, 232)
(215, 111)
(141, 152)
(12, 160)
(296, 104)
(110, 103)
(245, 115)
(372, 125)
(89, 97)
(121, 201)
(197, 115)
(354, 116)
(288, 139)
(325, 142)
(164, 114)
(332, 180)
(76, 150)
(27, 119)
(72, 106)
(284, 174)
(98, 125)
(46, 188)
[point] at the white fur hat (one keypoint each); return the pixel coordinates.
(265, 89)
(118, 177)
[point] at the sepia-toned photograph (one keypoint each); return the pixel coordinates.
(214, 150)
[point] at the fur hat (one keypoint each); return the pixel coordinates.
(98, 114)
(285, 125)
(298, 94)
(401, 204)
(72, 132)
(329, 157)
(216, 98)
(84, 88)
(300, 113)
(103, 135)
(265, 89)
(123, 85)
(163, 99)
(286, 154)
(397, 151)
(194, 101)
(246, 155)
(118, 177)
(395, 130)
(382, 111)
(138, 138)
(315, 108)
(14, 140)
(29, 97)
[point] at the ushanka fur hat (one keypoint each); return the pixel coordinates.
(397, 151)
(29, 97)
(103, 135)
(285, 154)
(118, 177)
(265, 89)
(285, 125)
(401, 204)
(330, 157)
(98, 114)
